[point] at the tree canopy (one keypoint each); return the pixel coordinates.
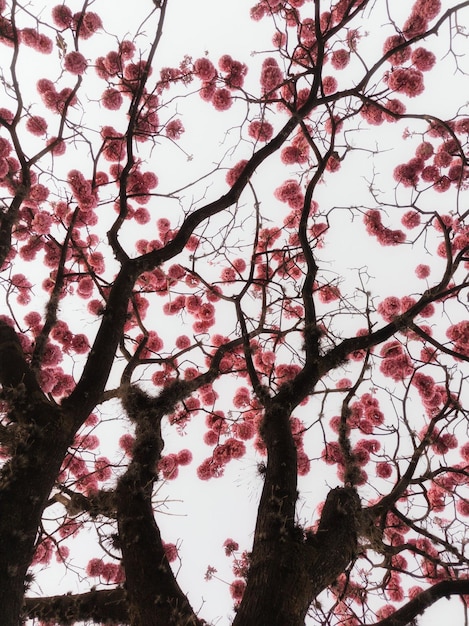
(250, 261)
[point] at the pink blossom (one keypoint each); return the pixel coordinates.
(303, 463)
(257, 12)
(59, 146)
(400, 57)
(75, 63)
(459, 335)
(411, 219)
(260, 130)
(394, 106)
(36, 125)
(94, 567)
(329, 85)
(329, 293)
(408, 81)
(209, 469)
(168, 466)
(340, 59)
(204, 69)
(333, 163)
(237, 588)
(415, 25)
(235, 78)
(234, 173)
(222, 99)
(383, 470)
(242, 398)
(207, 90)
(88, 22)
(170, 551)
(142, 215)
(228, 275)
(244, 430)
(112, 572)
(423, 59)
(102, 469)
(430, 174)
(293, 154)
(112, 99)
(230, 546)
(163, 225)
(41, 222)
(6, 115)
(422, 271)
(372, 114)
(442, 184)
(52, 355)
(464, 451)
(85, 287)
(184, 457)
(428, 8)
(62, 16)
(174, 129)
(397, 368)
(463, 507)
(127, 49)
(407, 173)
(86, 442)
(182, 342)
(126, 442)
(5, 147)
(39, 193)
(271, 75)
(225, 62)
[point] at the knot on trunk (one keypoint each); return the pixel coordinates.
(336, 540)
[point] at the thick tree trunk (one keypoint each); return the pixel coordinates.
(25, 485)
(153, 594)
(36, 439)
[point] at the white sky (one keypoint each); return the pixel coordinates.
(200, 516)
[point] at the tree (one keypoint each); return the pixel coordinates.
(292, 348)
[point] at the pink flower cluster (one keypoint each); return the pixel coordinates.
(39, 42)
(271, 77)
(85, 24)
(396, 363)
(423, 12)
(82, 189)
(234, 173)
(362, 451)
(290, 192)
(459, 335)
(385, 236)
(260, 130)
(365, 415)
(114, 144)
(233, 79)
(408, 81)
(108, 572)
(447, 157)
(75, 63)
(433, 396)
(55, 100)
(169, 465)
(297, 152)
(223, 453)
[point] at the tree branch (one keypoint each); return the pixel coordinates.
(425, 599)
(104, 605)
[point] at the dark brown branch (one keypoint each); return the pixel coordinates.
(15, 372)
(105, 606)
(425, 599)
(154, 595)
